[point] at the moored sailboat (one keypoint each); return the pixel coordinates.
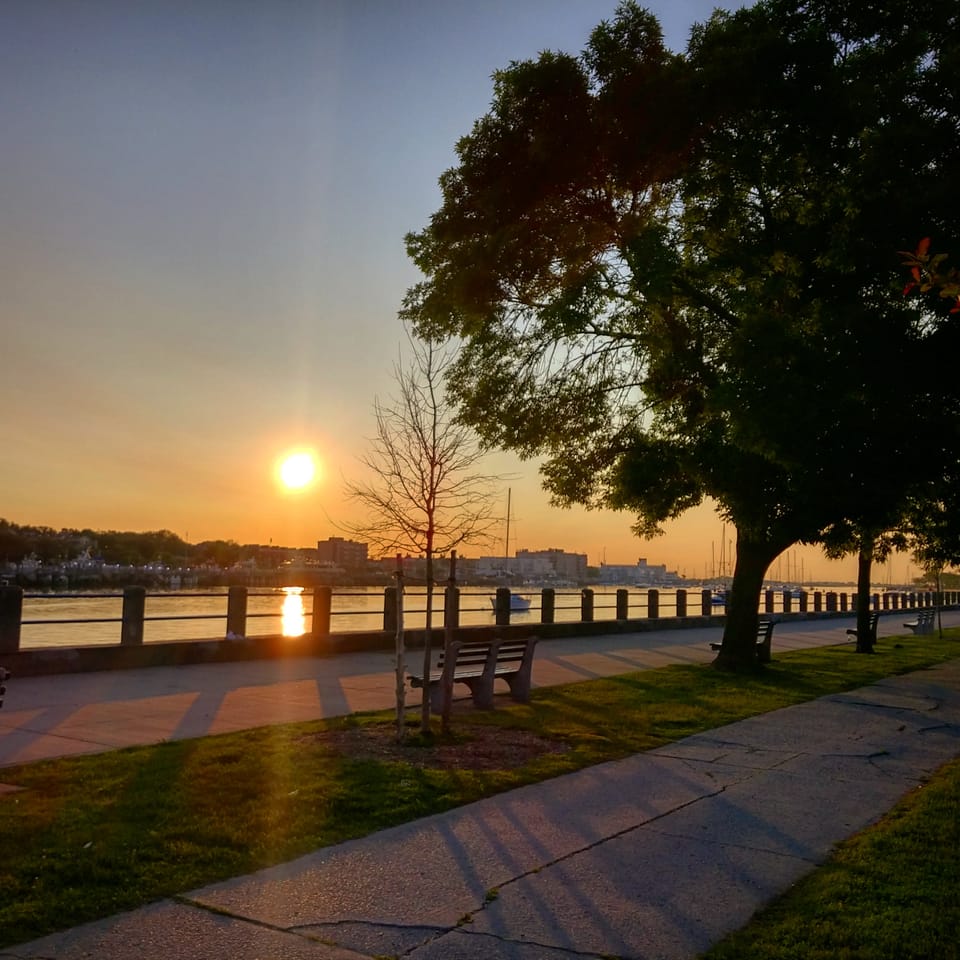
(518, 603)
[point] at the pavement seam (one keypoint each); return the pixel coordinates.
(535, 944)
(733, 749)
(467, 918)
(186, 901)
(488, 900)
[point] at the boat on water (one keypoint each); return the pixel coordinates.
(518, 603)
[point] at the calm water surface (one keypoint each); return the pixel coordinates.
(192, 615)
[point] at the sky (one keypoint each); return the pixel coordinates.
(202, 213)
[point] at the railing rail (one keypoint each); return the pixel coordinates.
(619, 605)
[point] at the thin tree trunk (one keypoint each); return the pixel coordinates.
(939, 599)
(738, 651)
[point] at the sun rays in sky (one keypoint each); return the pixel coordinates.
(298, 470)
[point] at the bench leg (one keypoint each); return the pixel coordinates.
(436, 696)
(519, 685)
(482, 692)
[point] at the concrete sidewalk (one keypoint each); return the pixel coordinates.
(69, 714)
(658, 855)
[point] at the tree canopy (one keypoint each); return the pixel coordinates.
(677, 276)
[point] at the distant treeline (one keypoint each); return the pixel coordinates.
(49, 546)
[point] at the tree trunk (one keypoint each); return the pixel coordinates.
(738, 651)
(940, 601)
(864, 564)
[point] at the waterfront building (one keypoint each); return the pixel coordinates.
(536, 566)
(343, 553)
(565, 566)
(639, 574)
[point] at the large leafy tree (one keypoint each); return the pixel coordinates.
(676, 276)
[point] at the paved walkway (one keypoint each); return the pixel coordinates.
(658, 855)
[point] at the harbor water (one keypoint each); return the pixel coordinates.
(90, 619)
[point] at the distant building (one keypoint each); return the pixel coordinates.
(545, 565)
(416, 567)
(566, 566)
(344, 553)
(640, 574)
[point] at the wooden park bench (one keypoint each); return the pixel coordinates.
(872, 627)
(477, 664)
(764, 640)
(924, 622)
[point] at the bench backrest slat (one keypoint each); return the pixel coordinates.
(475, 653)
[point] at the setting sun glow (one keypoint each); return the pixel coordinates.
(297, 470)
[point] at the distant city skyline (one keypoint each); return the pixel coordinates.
(204, 208)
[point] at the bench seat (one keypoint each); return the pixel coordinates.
(764, 638)
(477, 664)
(924, 622)
(874, 621)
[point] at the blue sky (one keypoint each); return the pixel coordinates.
(203, 209)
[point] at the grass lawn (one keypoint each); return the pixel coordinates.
(88, 837)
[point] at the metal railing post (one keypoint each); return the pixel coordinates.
(623, 604)
(390, 609)
(502, 608)
(134, 604)
(548, 605)
(11, 613)
(586, 605)
(451, 607)
(236, 612)
(322, 605)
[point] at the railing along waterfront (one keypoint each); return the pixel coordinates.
(323, 616)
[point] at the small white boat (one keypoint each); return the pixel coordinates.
(518, 604)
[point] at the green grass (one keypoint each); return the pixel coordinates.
(88, 837)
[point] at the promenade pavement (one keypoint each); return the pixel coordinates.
(658, 855)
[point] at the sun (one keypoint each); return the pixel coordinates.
(298, 469)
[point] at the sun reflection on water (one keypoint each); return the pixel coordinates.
(293, 618)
